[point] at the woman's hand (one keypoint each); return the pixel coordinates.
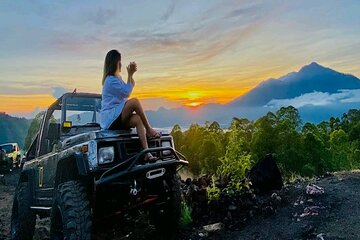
(131, 68)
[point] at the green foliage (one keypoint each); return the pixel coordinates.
(185, 218)
(292, 177)
(202, 146)
(33, 129)
(301, 149)
(235, 168)
(308, 170)
(340, 148)
(213, 191)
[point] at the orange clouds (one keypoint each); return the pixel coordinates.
(24, 103)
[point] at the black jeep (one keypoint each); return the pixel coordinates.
(79, 175)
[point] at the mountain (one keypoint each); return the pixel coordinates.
(310, 78)
(13, 129)
(317, 91)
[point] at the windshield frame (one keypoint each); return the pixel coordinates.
(72, 95)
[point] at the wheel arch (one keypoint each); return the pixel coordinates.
(29, 177)
(70, 168)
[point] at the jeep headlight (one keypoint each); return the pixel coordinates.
(106, 155)
(166, 144)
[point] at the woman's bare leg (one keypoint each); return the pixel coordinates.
(135, 121)
(134, 105)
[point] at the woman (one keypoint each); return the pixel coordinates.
(117, 112)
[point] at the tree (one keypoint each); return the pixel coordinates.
(314, 152)
(334, 123)
(211, 152)
(237, 160)
(193, 139)
(214, 127)
(33, 129)
(340, 149)
(264, 138)
(289, 114)
(177, 135)
(307, 150)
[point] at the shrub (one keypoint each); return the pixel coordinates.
(185, 218)
(213, 191)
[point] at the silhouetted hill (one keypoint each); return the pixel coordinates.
(310, 78)
(13, 129)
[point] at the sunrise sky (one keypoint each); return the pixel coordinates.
(188, 52)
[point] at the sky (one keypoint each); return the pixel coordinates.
(188, 53)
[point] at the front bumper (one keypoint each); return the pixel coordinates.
(131, 166)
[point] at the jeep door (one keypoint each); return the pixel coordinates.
(48, 154)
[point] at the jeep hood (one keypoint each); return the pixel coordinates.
(102, 134)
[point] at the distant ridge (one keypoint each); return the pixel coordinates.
(309, 78)
(13, 129)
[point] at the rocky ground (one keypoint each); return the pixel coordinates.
(329, 212)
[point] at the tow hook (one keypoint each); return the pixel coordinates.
(134, 190)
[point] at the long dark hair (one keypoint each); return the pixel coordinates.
(111, 63)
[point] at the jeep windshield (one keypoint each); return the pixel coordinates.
(82, 111)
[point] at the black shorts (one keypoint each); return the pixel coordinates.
(118, 124)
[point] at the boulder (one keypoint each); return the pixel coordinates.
(265, 174)
(213, 227)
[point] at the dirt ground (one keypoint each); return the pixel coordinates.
(332, 215)
(337, 214)
(7, 189)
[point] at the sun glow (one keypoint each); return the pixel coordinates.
(193, 99)
(193, 95)
(194, 104)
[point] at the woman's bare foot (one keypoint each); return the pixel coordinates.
(152, 133)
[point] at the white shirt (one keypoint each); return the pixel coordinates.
(115, 93)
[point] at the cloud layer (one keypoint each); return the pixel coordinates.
(220, 48)
(318, 99)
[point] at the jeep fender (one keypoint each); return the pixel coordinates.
(29, 176)
(71, 168)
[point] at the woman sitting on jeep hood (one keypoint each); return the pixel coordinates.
(117, 111)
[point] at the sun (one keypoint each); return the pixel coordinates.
(194, 104)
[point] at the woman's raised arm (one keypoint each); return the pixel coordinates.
(118, 88)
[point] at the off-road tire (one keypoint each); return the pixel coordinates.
(71, 212)
(23, 219)
(166, 219)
